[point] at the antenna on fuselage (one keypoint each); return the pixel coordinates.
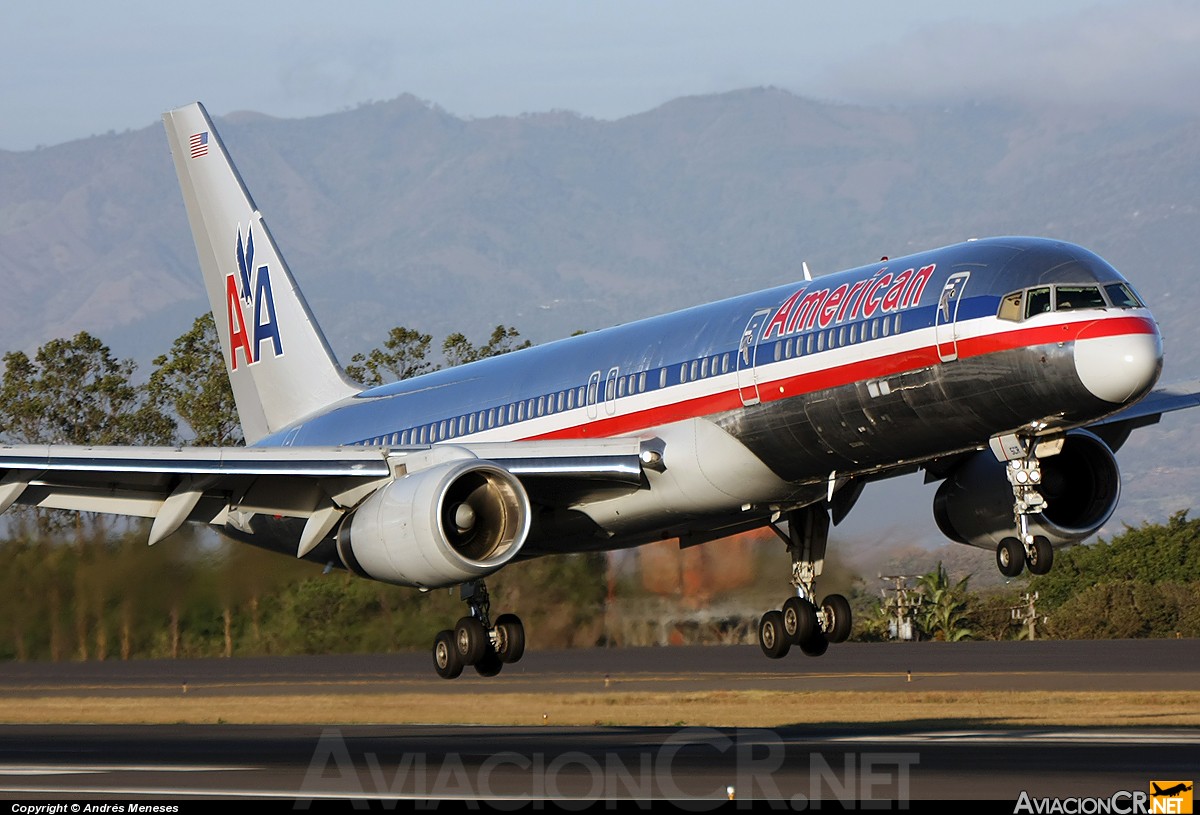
(807, 273)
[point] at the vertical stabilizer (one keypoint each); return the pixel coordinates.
(279, 363)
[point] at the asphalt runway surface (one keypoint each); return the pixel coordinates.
(797, 764)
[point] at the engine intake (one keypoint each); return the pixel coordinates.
(438, 527)
(1081, 484)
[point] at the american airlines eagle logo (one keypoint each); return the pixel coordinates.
(249, 294)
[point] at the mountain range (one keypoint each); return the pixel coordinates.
(399, 213)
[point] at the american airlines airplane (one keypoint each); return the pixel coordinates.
(1010, 369)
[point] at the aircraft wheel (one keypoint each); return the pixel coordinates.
(470, 639)
(836, 609)
(799, 619)
(771, 636)
(446, 660)
(489, 664)
(1041, 558)
(510, 638)
(1010, 557)
(816, 645)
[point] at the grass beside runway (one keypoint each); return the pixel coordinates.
(749, 708)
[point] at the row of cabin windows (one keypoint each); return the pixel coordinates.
(837, 337)
(700, 369)
(1026, 303)
(513, 412)
(630, 384)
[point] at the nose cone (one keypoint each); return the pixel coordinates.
(1118, 368)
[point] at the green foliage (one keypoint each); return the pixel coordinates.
(1150, 553)
(1142, 583)
(340, 613)
(1123, 609)
(191, 380)
(75, 392)
(405, 354)
(990, 615)
(944, 613)
(560, 598)
(458, 350)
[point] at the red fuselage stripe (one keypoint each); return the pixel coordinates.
(840, 375)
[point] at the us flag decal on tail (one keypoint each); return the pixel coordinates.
(198, 144)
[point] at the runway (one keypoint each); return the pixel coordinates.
(1100, 665)
(797, 764)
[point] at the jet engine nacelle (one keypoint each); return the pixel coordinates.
(438, 527)
(1081, 485)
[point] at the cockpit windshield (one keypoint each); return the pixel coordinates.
(1026, 303)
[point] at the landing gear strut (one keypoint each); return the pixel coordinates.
(1027, 549)
(475, 641)
(801, 622)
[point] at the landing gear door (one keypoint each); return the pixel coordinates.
(747, 351)
(946, 319)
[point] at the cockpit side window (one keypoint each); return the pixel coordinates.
(1073, 298)
(1122, 296)
(1010, 306)
(1037, 301)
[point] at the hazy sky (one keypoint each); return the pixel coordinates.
(70, 69)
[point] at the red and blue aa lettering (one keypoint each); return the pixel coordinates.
(251, 293)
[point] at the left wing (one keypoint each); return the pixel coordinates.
(177, 484)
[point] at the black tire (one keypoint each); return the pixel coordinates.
(1041, 558)
(470, 640)
(446, 660)
(510, 638)
(799, 619)
(836, 609)
(489, 664)
(1010, 557)
(771, 637)
(816, 645)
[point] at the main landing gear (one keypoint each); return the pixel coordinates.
(800, 621)
(475, 641)
(1027, 549)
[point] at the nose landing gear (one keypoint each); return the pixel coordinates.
(1027, 549)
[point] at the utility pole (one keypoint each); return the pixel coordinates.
(1027, 613)
(900, 602)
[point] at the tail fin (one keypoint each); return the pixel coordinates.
(279, 363)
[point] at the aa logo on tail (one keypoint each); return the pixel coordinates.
(249, 293)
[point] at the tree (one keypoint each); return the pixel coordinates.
(458, 350)
(404, 355)
(943, 614)
(75, 392)
(1150, 553)
(191, 380)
